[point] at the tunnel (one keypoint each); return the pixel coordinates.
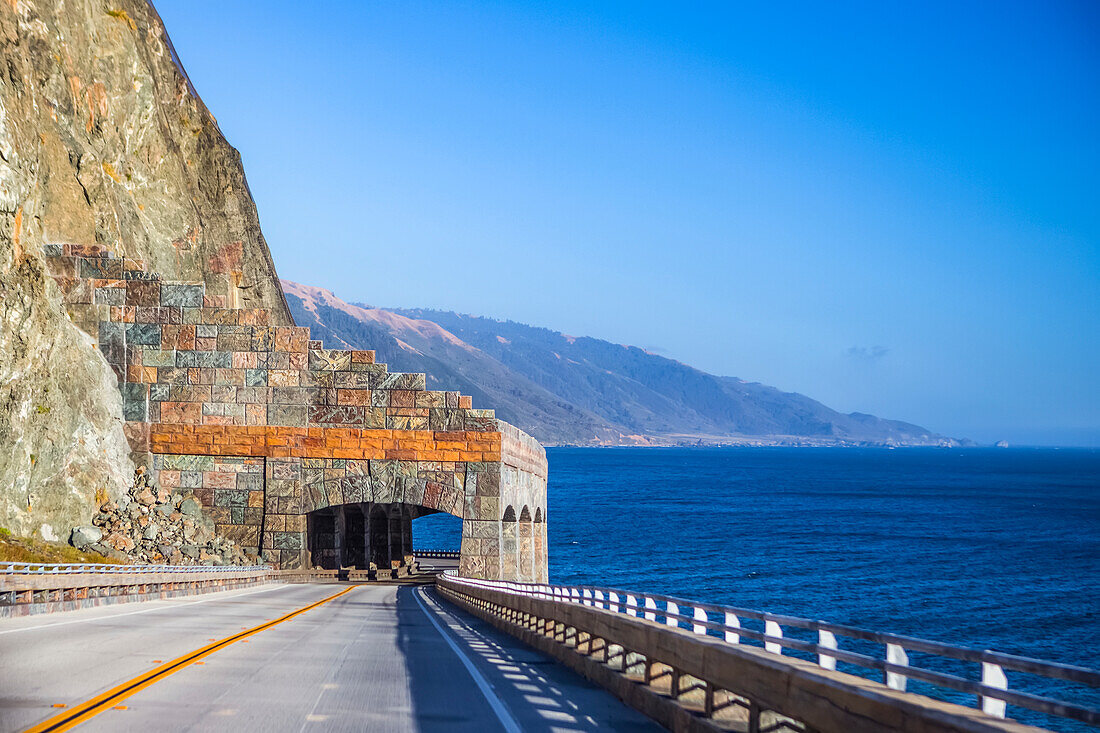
(356, 535)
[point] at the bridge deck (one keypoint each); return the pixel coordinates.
(384, 658)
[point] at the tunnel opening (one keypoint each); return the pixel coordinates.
(440, 531)
(379, 531)
(355, 537)
(358, 535)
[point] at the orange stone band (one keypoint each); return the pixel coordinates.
(295, 442)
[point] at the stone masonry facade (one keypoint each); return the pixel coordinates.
(264, 426)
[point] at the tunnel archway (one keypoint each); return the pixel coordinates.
(526, 569)
(509, 542)
(355, 524)
(538, 541)
(358, 534)
(356, 512)
(379, 533)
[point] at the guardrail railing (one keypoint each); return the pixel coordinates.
(449, 554)
(34, 587)
(35, 568)
(885, 654)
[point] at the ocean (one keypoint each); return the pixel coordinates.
(987, 548)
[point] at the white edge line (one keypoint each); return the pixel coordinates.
(495, 702)
(134, 613)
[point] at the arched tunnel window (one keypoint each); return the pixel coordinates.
(439, 531)
(509, 514)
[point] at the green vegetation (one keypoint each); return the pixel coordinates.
(26, 549)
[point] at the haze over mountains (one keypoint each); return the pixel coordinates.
(585, 391)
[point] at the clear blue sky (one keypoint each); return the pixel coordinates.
(890, 207)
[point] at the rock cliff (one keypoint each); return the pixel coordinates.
(103, 141)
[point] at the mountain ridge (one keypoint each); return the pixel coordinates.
(579, 390)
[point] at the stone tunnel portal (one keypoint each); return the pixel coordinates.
(293, 449)
(357, 535)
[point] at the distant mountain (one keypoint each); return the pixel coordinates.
(584, 391)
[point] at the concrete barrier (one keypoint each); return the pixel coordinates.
(692, 682)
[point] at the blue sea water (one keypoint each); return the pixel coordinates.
(987, 548)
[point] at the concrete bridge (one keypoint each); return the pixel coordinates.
(304, 456)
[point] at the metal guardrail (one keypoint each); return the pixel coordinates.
(992, 692)
(449, 554)
(34, 568)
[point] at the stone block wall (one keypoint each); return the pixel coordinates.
(266, 426)
(504, 525)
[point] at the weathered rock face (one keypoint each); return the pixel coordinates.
(61, 440)
(102, 142)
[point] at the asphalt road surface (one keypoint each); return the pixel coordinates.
(375, 658)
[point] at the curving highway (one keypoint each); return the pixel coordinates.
(289, 657)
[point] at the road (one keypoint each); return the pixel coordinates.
(375, 657)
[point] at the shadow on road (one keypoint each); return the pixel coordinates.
(540, 694)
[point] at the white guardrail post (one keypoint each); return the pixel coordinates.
(732, 622)
(699, 615)
(773, 629)
(671, 611)
(826, 639)
(896, 655)
(993, 676)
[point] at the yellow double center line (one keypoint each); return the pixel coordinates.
(112, 697)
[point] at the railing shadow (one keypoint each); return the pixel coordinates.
(532, 685)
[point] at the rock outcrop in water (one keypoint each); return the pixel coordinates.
(103, 141)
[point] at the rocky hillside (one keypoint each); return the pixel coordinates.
(566, 390)
(103, 141)
(151, 524)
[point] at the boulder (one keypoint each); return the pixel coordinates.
(84, 535)
(120, 542)
(191, 507)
